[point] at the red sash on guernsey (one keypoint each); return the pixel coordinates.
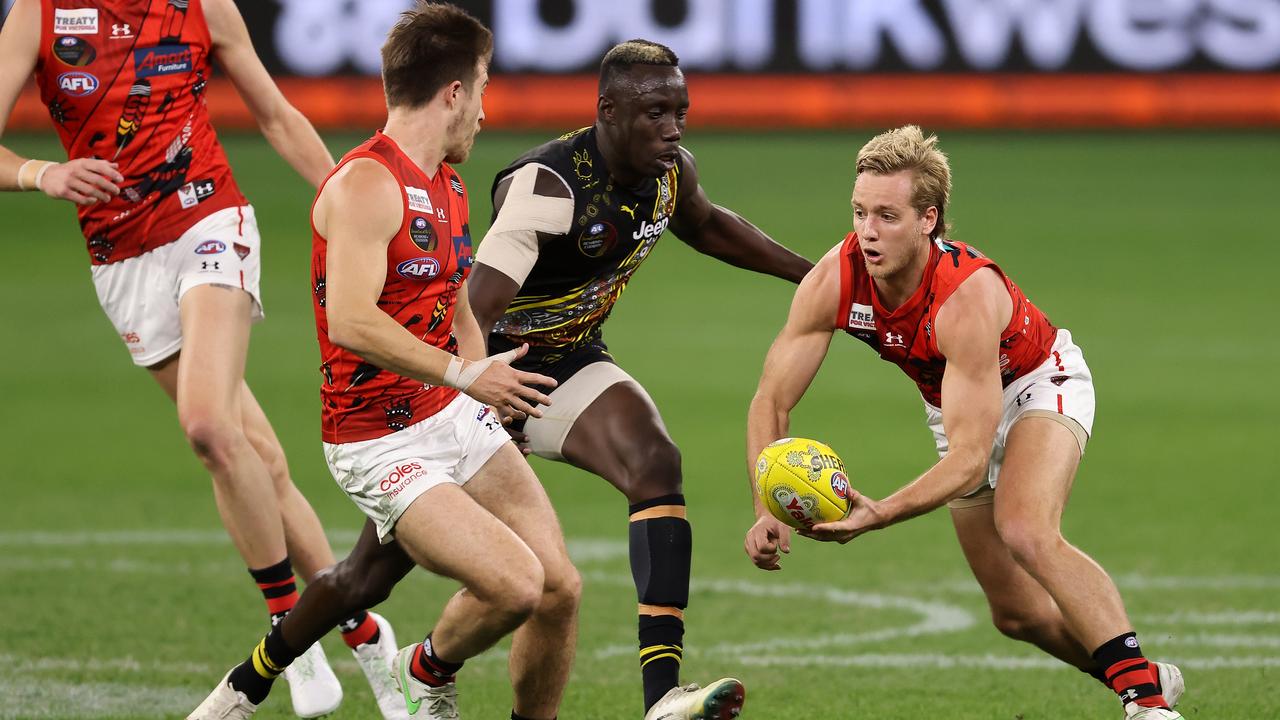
(427, 261)
(905, 335)
(124, 81)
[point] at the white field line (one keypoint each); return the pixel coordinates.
(32, 701)
(1220, 617)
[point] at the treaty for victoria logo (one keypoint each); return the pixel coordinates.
(162, 60)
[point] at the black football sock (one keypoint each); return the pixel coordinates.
(254, 676)
(429, 668)
(1128, 673)
(279, 588)
(661, 541)
(359, 629)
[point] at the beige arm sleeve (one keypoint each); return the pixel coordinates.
(511, 245)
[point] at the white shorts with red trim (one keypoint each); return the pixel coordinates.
(141, 295)
(1061, 387)
(383, 476)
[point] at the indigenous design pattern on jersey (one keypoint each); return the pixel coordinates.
(427, 261)
(578, 277)
(905, 335)
(124, 80)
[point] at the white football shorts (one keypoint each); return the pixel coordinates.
(1061, 388)
(141, 295)
(383, 476)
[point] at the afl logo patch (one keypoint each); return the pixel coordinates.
(421, 234)
(211, 247)
(77, 84)
(74, 51)
(598, 239)
(840, 485)
(419, 268)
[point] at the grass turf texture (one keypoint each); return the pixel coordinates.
(121, 596)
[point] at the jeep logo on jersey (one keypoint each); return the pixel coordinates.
(419, 268)
(211, 247)
(419, 200)
(80, 21)
(74, 51)
(650, 230)
(162, 60)
(78, 84)
(421, 234)
(861, 317)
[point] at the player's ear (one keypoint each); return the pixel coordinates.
(605, 109)
(451, 93)
(929, 220)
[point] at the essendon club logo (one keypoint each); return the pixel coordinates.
(162, 60)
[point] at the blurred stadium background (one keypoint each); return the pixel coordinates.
(1118, 157)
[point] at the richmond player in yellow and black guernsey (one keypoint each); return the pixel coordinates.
(574, 219)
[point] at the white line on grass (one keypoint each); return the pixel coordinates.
(990, 662)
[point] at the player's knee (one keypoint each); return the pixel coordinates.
(523, 594)
(1031, 543)
(358, 586)
(652, 470)
(211, 435)
(1018, 624)
(561, 591)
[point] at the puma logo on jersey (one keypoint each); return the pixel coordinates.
(629, 210)
(650, 230)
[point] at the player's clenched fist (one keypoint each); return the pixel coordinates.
(495, 382)
(765, 539)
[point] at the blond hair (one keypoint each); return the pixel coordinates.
(906, 148)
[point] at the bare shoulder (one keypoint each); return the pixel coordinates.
(977, 312)
(362, 190)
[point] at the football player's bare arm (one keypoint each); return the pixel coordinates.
(288, 130)
(790, 366)
(84, 181)
(359, 212)
(968, 329)
(725, 235)
(533, 205)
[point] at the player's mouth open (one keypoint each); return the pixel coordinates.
(872, 255)
(668, 159)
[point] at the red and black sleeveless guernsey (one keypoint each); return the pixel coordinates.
(124, 81)
(427, 261)
(905, 337)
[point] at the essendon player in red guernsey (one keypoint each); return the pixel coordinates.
(409, 427)
(1009, 400)
(175, 254)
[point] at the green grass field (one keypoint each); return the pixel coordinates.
(121, 597)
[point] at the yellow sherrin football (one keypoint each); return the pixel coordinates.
(802, 482)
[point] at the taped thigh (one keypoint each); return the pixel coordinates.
(568, 401)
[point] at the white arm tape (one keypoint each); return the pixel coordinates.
(511, 245)
(461, 374)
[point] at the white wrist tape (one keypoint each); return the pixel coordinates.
(40, 175)
(461, 374)
(22, 169)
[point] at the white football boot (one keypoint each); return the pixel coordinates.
(1172, 686)
(378, 661)
(1134, 711)
(224, 703)
(720, 700)
(420, 699)
(313, 687)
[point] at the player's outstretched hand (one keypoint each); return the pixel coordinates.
(766, 538)
(83, 181)
(865, 516)
(494, 382)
